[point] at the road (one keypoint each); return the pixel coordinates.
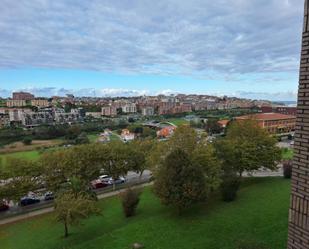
(46, 206)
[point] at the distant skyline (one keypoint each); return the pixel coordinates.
(240, 48)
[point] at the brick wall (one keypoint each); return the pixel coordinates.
(299, 208)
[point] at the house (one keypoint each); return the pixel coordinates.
(223, 123)
(126, 135)
(166, 132)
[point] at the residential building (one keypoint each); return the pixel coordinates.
(127, 135)
(40, 102)
(22, 96)
(94, 114)
(33, 119)
(273, 122)
(129, 108)
(147, 111)
(16, 103)
(109, 111)
(166, 131)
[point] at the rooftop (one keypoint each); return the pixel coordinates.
(267, 116)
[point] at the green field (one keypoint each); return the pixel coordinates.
(178, 121)
(259, 215)
(30, 155)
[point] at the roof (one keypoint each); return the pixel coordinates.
(223, 122)
(267, 116)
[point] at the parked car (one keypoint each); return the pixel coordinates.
(25, 201)
(4, 207)
(49, 196)
(95, 184)
(117, 181)
(105, 178)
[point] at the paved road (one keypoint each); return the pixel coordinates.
(15, 210)
(51, 209)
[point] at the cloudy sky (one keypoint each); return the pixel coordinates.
(130, 47)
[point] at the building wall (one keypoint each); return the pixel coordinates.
(298, 237)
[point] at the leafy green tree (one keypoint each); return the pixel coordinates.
(70, 209)
(184, 138)
(205, 158)
(20, 176)
(82, 139)
(248, 147)
(129, 200)
(117, 160)
(82, 163)
(27, 141)
(178, 182)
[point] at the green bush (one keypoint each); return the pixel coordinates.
(130, 199)
(27, 141)
(229, 187)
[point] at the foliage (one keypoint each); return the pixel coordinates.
(22, 177)
(27, 140)
(212, 126)
(248, 147)
(251, 244)
(229, 187)
(178, 182)
(215, 226)
(70, 209)
(82, 139)
(287, 169)
(129, 200)
(205, 158)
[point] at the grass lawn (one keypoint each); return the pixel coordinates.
(260, 214)
(178, 121)
(30, 155)
(93, 137)
(287, 154)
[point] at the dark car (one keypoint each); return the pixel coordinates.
(29, 201)
(4, 207)
(98, 184)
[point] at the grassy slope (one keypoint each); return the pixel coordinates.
(259, 214)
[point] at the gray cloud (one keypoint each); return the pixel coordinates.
(158, 37)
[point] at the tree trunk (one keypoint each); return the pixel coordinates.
(114, 186)
(66, 230)
(140, 176)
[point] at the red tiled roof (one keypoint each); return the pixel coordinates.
(267, 116)
(223, 122)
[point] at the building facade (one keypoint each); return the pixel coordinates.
(273, 122)
(16, 103)
(298, 237)
(22, 96)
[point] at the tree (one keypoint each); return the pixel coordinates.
(27, 140)
(70, 209)
(212, 126)
(184, 138)
(129, 200)
(141, 150)
(82, 139)
(20, 176)
(82, 163)
(178, 182)
(117, 160)
(248, 147)
(205, 158)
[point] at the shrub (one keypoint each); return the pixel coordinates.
(229, 187)
(287, 169)
(130, 199)
(27, 141)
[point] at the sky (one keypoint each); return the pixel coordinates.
(99, 48)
